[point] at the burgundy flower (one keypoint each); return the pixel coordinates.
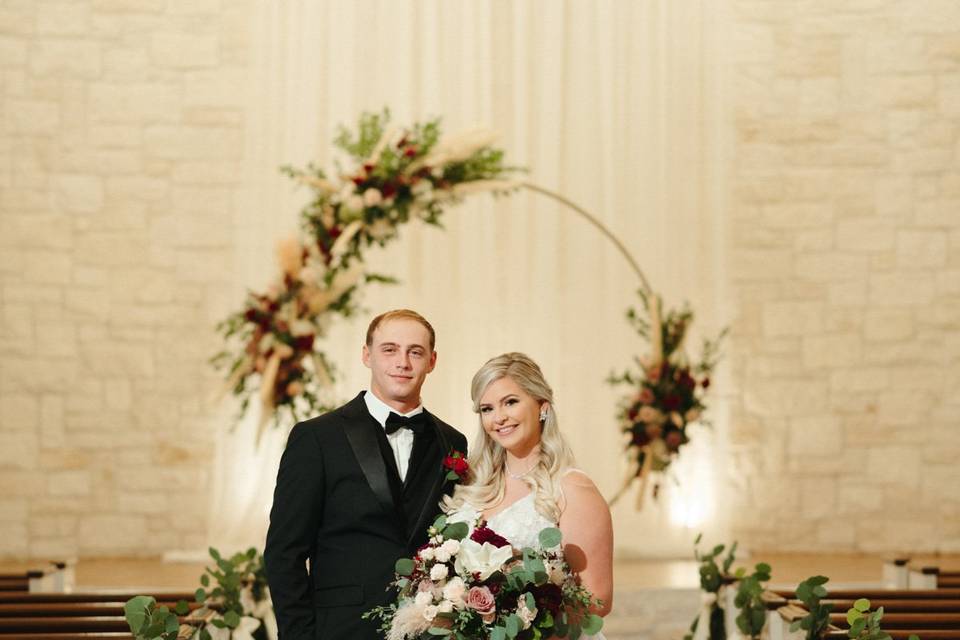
(304, 343)
(484, 534)
(671, 402)
(674, 439)
(705, 383)
(548, 596)
(639, 438)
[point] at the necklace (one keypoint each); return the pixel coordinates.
(517, 476)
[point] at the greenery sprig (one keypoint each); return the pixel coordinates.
(749, 599)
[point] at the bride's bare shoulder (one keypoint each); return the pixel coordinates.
(579, 490)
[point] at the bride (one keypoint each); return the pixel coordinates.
(523, 479)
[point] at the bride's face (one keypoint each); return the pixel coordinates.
(510, 416)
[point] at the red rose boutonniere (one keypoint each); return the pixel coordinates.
(456, 465)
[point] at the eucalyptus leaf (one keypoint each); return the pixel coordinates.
(498, 633)
(182, 608)
(592, 624)
(439, 631)
(550, 538)
(136, 610)
(513, 625)
(456, 531)
(171, 625)
(862, 605)
(231, 619)
(404, 566)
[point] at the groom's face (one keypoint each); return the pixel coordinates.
(399, 359)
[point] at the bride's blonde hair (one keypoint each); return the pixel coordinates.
(486, 486)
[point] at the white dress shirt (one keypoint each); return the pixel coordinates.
(401, 440)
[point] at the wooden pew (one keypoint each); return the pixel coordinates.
(73, 616)
(930, 614)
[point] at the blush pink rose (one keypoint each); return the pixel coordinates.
(480, 599)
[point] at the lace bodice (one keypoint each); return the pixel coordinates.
(520, 523)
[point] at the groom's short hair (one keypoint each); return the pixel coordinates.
(396, 314)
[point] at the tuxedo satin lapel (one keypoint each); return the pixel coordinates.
(358, 426)
(430, 479)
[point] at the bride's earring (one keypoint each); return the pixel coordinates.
(543, 415)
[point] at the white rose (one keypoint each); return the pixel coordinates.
(451, 546)
(445, 607)
(442, 555)
(526, 616)
(423, 598)
(430, 612)
(455, 590)
(372, 197)
(354, 203)
(438, 572)
(427, 554)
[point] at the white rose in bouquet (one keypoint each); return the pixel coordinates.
(438, 572)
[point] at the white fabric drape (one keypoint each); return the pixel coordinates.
(612, 104)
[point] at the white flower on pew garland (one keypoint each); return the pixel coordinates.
(668, 393)
(396, 175)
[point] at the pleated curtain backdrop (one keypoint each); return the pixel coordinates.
(616, 105)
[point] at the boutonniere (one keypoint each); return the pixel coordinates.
(456, 465)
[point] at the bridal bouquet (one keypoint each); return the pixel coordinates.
(481, 588)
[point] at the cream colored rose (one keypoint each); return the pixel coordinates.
(454, 591)
(527, 616)
(438, 572)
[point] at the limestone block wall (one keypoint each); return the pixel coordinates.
(844, 218)
(122, 133)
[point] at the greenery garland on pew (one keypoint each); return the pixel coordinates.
(751, 616)
(237, 606)
(712, 577)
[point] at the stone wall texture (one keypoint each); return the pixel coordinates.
(122, 133)
(844, 219)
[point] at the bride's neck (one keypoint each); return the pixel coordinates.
(522, 462)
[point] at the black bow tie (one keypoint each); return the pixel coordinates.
(416, 423)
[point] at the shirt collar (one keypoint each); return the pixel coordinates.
(380, 410)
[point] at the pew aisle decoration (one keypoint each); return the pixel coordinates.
(236, 607)
(713, 580)
(394, 174)
(810, 592)
(667, 392)
(737, 605)
(751, 609)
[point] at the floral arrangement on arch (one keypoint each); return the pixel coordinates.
(394, 174)
(668, 392)
(480, 587)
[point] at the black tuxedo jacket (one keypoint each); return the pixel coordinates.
(339, 503)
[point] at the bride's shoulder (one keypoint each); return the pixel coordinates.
(578, 489)
(576, 478)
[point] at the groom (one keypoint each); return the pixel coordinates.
(357, 489)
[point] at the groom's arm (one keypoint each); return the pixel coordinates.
(294, 520)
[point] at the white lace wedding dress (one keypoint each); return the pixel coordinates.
(520, 523)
